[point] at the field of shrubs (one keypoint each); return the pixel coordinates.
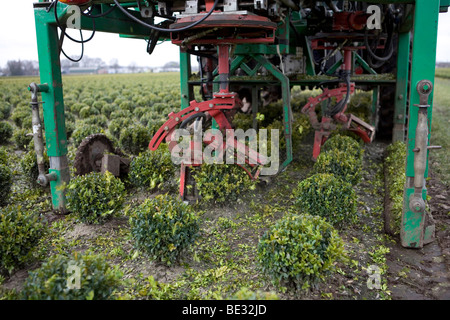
(314, 231)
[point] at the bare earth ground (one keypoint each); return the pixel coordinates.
(224, 258)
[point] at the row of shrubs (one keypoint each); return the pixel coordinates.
(299, 249)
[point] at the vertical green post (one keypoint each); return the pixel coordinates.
(375, 105)
(401, 91)
(55, 129)
(287, 112)
(414, 232)
(185, 73)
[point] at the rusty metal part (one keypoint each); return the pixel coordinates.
(88, 157)
(234, 28)
(417, 204)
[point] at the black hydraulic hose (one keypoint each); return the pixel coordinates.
(98, 15)
(129, 15)
(54, 3)
(341, 105)
(82, 50)
(192, 117)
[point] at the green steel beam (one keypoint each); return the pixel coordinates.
(53, 107)
(413, 230)
(286, 97)
(401, 91)
(185, 73)
(363, 63)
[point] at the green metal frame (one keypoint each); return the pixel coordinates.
(414, 233)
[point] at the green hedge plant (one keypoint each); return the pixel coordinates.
(29, 167)
(344, 143)
(220, 183)
(153, 169)
(6, 132)
(56, 279)
(299, 250)
(95, 197)
(328, 196)
(20, 231)
(134, 139)
(6, 181)
(163, 227)
(340, 163)
(394, 166)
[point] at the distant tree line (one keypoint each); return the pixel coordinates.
(31, 67)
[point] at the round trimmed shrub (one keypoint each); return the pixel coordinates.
(116, 125)
(97, 120)
(5, 111)
(84, 130)
(21, 117)
(220, 183)
(327, 196)
(3, 156)
(76, 107)
(153, 169)
(163, 227)
(107, 109)
(29, 167)
(134, 139)
(94, 197)
(299, 250)
(55, 279)
(341, 164)
(6, 132)
(344, 143)
(5, 183)
(88, 111)
(20, 231)
(21, 139)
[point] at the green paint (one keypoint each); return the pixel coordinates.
(401, 91)
(52, 96)
(423, 67)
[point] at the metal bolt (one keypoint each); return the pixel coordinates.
(400, 97)
(211, 105)
(177, 119)
(166, 128)
(196, 108)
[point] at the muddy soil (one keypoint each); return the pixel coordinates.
(424, 274)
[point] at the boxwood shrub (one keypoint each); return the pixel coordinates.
(6, 132)
(344, 143)
(340, 163)
(95, 197)
(21, 139)
(220, 183)
(394, 167)
(299, 250)
(29, 167)
(6, 180)
(20, 231)
(84, 130)
(134, 139)
(327, 196)
(153, 169)
(163, 227)
(53, 280)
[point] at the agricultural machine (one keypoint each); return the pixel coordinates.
(251, 51)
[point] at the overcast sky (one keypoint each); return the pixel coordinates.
(18, 40)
